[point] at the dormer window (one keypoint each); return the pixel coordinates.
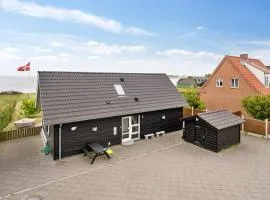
(119, 89)
(219, 82)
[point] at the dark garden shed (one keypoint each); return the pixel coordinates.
(108, 108)
(215, 130)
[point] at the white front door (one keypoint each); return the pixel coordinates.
(130, 128)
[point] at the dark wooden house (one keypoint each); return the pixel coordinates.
(110, 108)
(213, 130)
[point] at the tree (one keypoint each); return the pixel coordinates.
(257, 106)
(193, 99)
(28, 107)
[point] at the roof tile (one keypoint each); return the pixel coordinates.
(78, 96)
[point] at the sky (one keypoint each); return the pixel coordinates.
(177, 37)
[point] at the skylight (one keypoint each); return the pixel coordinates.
(119, 89)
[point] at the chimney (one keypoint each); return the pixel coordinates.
(244, 56)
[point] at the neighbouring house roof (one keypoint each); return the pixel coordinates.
(186, 81)
(245, 73)
(78, 96)
(221, 119)
(199, 79)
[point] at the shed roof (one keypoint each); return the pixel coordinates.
(221, 119)
(78, 96)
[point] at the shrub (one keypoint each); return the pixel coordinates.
(257, 106)
(6, 115)
(28, 107)
(10, 93)
(193, 99)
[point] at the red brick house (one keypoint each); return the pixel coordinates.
(232, 80)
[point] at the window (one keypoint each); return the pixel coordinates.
(267, 81)
(219, 82)
(94, 129)
(119, 89)
(135, 119)
(74, 128)
(235, 83)
(115, 130)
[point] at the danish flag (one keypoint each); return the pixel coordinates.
(24, 67)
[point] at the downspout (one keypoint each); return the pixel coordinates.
(60, 133)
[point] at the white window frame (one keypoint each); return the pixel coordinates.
(233, 83)
(218, 81)
(120, 90)
(266, 81)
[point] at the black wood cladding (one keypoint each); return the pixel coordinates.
(205, 135)
(150, 122)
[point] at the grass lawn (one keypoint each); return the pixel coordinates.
(8, 100)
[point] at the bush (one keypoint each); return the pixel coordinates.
(28, 107)
(193, 99)
(257, 106)
(6, 115)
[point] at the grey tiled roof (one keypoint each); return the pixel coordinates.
(221, 119)
(78, 96)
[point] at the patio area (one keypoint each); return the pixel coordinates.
(161, 168)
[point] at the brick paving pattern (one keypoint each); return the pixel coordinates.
(162, 168)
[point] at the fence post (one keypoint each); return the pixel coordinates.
(266, 129)
(192, 110)
(242, 125)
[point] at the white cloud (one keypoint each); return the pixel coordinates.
(56, 44)
(40, 49)
(265, 43)
(93, 57)
(82, 54)
(181, 53)
(201, 28)
(8, 56)
(70, 15)
(10, 49)
(128, 62)
(59, 58)
(9, 53)
(104, 48)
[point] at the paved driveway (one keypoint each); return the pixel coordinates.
(162, 168)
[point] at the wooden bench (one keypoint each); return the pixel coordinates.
(151, 135)
(87, 153)
(160, 133)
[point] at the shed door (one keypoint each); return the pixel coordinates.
(199, 134)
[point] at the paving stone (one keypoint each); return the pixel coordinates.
(162, 168)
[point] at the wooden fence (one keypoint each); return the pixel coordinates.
(187, 112)
(15, 134)
(260, 127)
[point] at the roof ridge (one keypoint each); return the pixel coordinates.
(84, 72)
(214, 111)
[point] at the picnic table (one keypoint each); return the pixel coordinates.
(98, 149)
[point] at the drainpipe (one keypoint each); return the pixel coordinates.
(60, 133)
